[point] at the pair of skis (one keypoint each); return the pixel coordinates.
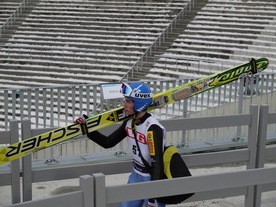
(108, 118)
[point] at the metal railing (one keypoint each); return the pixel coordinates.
(159, 40)
(55, 106)
(13, 17)
(51, 107)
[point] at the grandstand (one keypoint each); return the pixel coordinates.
(77, 42)
(228, 32)
(72, 43)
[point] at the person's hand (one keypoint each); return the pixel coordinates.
(151, 203)
(82, 121)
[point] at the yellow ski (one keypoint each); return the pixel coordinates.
(116, 115)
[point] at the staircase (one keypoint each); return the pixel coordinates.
(78, 42)
(218, 35)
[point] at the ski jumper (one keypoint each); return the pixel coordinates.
(151, 139)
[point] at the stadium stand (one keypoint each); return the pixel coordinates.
(223, 32)
(7, 8)
(99, 41)
(67, 42)
(76, 42)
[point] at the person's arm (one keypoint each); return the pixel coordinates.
(156, 152)
(111, 140)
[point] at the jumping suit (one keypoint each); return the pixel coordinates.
(150, 135)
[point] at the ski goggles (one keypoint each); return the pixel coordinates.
(127, 91)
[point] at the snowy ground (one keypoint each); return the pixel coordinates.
(46, 189)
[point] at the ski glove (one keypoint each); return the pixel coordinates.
(82, 121)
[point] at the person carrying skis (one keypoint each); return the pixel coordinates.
(145, 134)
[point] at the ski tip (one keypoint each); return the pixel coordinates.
(262, 64)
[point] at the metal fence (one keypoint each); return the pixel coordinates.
(50, 107)
(160, 39)
(250, 182)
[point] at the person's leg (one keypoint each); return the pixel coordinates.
(137, 203)
(133, 178)
(156, 204)
(136, 178)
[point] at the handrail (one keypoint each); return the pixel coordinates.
(160, 38)
(13, 15)
(190, 59)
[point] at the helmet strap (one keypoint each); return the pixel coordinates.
(136, 119)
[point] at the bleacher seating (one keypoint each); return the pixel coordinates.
(62, 42)
(76, 42)
(7, 7)
(223, 32)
